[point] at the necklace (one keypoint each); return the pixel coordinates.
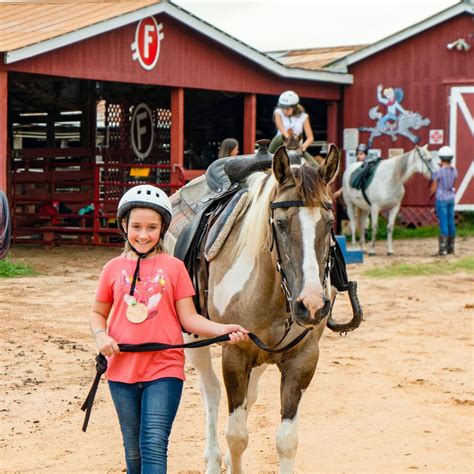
(137, 312)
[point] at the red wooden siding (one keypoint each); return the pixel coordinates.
(187, 59)
(3, 130)
(424, 68)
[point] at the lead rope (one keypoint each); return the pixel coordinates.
(101, 361)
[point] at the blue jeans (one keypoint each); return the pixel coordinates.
(445, 213)
(146, 411)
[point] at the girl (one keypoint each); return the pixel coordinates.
(229, 147)
(148, 296)
(290, 115)
(443, 183)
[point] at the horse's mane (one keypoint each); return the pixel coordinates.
(262, 190)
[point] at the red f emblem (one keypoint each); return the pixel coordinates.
(146, 47)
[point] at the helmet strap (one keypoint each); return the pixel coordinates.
(136, 274)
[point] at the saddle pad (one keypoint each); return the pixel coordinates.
(363, 176)
(222, 226)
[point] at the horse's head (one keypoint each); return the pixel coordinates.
(293, 146)
(302, 219)
(424, 161)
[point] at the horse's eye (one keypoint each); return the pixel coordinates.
(280, 224)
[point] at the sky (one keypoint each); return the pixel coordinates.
(270, 25)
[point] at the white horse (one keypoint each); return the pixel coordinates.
(386, 191)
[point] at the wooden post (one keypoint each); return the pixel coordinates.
(332, 119)
(250, 122)
(3, 130)
(177, 133)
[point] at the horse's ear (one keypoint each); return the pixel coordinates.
(281, 165)
(330, 166)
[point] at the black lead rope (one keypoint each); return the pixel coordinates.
(101, 361)
(136, 273)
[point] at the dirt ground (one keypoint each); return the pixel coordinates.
(396, 395)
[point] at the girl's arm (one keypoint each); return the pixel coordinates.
(279, 124)
(434, 185)
(309, 135)
(197, 324)
(98, 325)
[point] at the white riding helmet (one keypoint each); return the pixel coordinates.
(446, 153)
(288, 99)
(150, 197)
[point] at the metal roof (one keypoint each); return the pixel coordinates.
(32, 27)
(312, 58)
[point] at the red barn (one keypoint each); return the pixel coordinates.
(427, 69)
(96, 97)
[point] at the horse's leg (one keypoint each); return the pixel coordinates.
(296, 374)
(236, 372)
(252, 392)
(211, 393)
(352, 220)
(363, 215)
(391, 224)
(374, 216)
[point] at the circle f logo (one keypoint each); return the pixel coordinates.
(146, 47)
(142, 131)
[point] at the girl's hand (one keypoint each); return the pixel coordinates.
(107, 345)
(236, 333)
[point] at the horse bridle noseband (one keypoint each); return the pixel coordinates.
(424, 162)
(279, 265)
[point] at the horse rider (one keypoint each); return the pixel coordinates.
(443, 186)
(291, 118)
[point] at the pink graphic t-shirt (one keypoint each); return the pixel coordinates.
(163, 281)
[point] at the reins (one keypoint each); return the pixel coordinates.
(101, 361)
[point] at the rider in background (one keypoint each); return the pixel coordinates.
(229, 147)
(443, 185)
(361, 154)
(290, 117)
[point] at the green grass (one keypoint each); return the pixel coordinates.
(464, 228)
(465, 264)
(9, 269)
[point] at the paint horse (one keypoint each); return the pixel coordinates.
(282, 235)
(385, 191)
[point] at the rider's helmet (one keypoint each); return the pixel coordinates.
(288, 99)
(446, 153)
(150, 197)
(363, 148)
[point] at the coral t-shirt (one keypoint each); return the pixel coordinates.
(163, 281)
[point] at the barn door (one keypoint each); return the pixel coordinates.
(461, 139)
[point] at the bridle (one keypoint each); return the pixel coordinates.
(280, 269)
(418, 153)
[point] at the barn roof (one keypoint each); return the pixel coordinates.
(465, 6)
(32, 27)
(312, 58)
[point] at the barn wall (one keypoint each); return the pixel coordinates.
(187, 59)
(425, 69)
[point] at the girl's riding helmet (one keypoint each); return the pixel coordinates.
(288, 99)
(150, 197)
(446, 153)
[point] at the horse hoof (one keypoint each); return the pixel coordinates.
(389, 254)
(372, 253)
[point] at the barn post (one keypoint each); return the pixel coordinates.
(3, 130)
(332, 118)
(250, 122)
(177, 134)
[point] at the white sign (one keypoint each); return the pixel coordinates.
(436, 137)
(350, 157)
(350, 138)
(375, 153)
(142, 133)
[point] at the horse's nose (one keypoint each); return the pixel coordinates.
(311, 317)
(312, 303)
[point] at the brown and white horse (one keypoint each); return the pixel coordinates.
(287, 221)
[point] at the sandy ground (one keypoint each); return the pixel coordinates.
(395, 396)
